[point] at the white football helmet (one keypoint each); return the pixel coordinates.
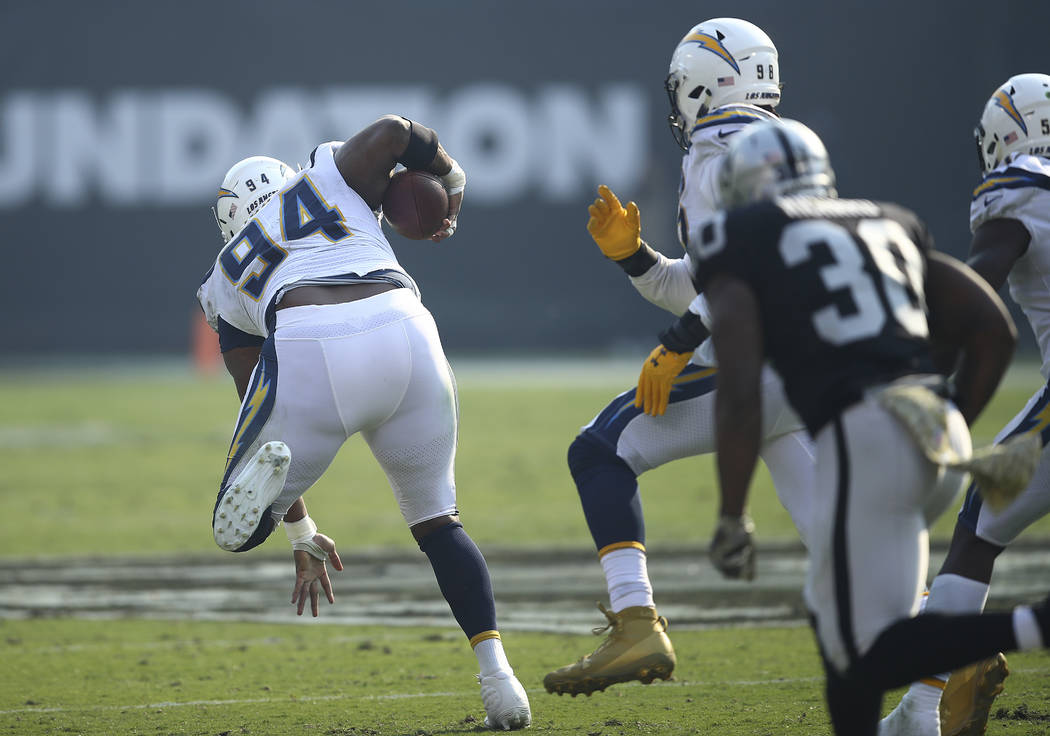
(245, 189)
(720, 61)
(1015, 119)
(775, 158)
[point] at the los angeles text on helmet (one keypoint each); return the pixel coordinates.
(258, 202)
(168, 147)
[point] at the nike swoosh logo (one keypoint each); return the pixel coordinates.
(726, 135)
(989, 199)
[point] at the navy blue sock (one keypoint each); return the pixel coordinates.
(463, 577)
(608, 490)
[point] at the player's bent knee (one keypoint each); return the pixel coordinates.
(425, 529)
(587, 456)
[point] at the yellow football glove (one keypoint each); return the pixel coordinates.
(616, 230)
(658, 374)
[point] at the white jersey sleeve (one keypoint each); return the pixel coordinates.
(1019, 189)
(315, 230)
(668, 284)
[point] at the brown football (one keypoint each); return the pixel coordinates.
(415, 203)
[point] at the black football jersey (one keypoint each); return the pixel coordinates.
(840, 287)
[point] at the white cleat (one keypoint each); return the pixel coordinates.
(505, 701)
(250, 494)
(909, 718)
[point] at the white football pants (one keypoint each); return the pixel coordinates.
(687, 429)
(373, 366)
(868, 555)
(1003, 527)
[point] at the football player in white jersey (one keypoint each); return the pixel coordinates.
(846, 299)
(325, 336)
(724, 75)
(1010, 220)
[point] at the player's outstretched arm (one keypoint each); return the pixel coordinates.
(616, 230)
(996, 246)
(737, 333)
(966, 315)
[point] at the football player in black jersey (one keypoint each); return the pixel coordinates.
(846, 299)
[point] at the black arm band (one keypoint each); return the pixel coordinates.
(422, 147)
(685, 335)
(640, 261)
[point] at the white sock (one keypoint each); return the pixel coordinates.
(925, 697)
(956, 594)
(1026, 629)
(492, 658)
(627, 578)
(922, 696)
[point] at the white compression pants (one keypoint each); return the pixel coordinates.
(869, 553)
(373, 366)
(687, 429)
(1002, 527)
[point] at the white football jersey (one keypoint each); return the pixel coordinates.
(1019, 189)
(669, 283)
(316, 229)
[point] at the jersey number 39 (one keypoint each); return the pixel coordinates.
(894, 291)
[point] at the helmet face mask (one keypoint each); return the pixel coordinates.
(1016, 119)
(676, 121)
(247, 186)
(720, 61)
(775, 158)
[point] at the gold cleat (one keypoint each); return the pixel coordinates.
(637, 648)
(969, 695)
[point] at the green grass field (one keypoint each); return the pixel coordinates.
(129, 463)
(126, 463)
(177, 677)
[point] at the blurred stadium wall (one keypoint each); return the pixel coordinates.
(118, 120)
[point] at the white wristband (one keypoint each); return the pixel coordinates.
(300, 531)
(455, 180)
(301, 535)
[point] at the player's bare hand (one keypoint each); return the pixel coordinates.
(657, 379)
(732, 549)
(615, 229)
(311, 572)
(448, 225)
